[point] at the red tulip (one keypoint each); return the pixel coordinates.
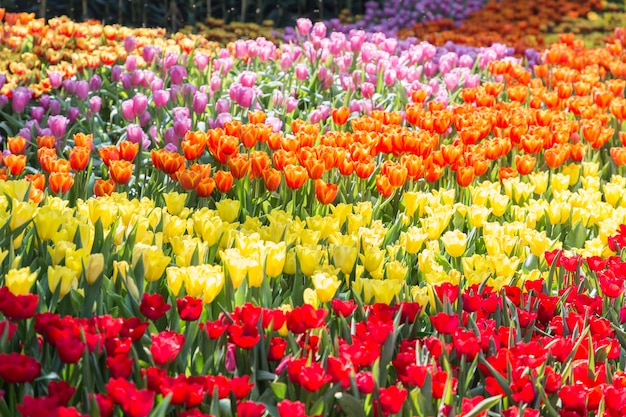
(16, 368)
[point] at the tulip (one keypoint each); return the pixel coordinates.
(62, 278)
(228, 209)
(326, 285)
(58, 125)
(19, 281)
(454, 242)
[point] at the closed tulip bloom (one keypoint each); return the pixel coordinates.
(309, 257)
(325, 193)
(95, 267)
(275, 257)
(62, 278)
(295, 176)
(121, 171)
(228, 209)
(454, 242)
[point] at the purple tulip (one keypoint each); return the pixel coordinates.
(134, 133)
(127, 110)
(291, 104)
(222, 118)
(148, 53)
(222, 106)
(37, 113)
(248, 78)
(215, 84)
(21, 97)
(156, 84)
(144, 118)
(58, 125)
(126, 81)
(245, 97)
(170, 60)
(177, 74)
(130, 43)
(95, 103)
(181, 126)
(95, 82)
(56, 79)
(200, 101)
(116, 73)
(160, 98)
(170, 137)
(73, 113)
(302, 72)
(304, 26)
(55, 107)
(82, 90)
(4, 100)
(69, 86)
(140, 103)
(181, 112)
(3, 80)
(137, 77)
(201, 61)
(131, 63)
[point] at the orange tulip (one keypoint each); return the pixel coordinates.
(340, 115)
(121, 171)
(170, 162)
(223, 181)
(419, 96)
(15, 163)
(325, 192)
(128, 150)
(188, 179)
(62, 165)
(464, 175)
(103, 187)
(506, 172)
(397, 174)
(17, 144)
(255, 117)
(271, 179)
(295, 176)
(81, 139)
(315, 168)
(413, 165)
(239, 165)
(205, 187)
(46, 141)
(60, 182)
(577, 151)
(79, 158)
(433, 172)
(346, 167)
(38, 181)
(524, 164)
(232, 128)
(383, 185)
(364, 169)
(109, 153)
(36, 195)
(249, 135)
(260, 162)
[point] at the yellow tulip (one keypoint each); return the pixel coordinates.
(413, 239)
(176, 277)
(560, 182)
(385, 291)
(19, 281)
(478, 215)
(184, 248)
(48, 221)
(63, 278)
(310, 237)
(613, 194)
(77, 259)
(365, 209)
(423, 296)
(341, 211)
(396, 270)
(173, 226)
(210, 228)
(309, 296)
(174, 202)
(95, 267)
(254, 264)
(22, 212)
(372, 258)
(344, 257)
(104, 210)
(58, 250)
(276, 255)
(228, 209)
(454, 242)
(309, 258)
(290, 262)
(539, 180)
(573, 171)
(355, 222)
(213, 284)
(326, 285)
(590, 169)
(499, 203)
(17, 189)
(411, 203)
(235, 264)
(591, 183)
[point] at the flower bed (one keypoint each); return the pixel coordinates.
(348, 225)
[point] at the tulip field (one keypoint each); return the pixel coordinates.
(330, 222)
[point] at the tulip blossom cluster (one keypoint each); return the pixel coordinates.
(350, 224)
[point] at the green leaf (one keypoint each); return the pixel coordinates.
(279, 389)
(350, 405)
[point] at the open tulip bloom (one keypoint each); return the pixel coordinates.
(347, 223)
